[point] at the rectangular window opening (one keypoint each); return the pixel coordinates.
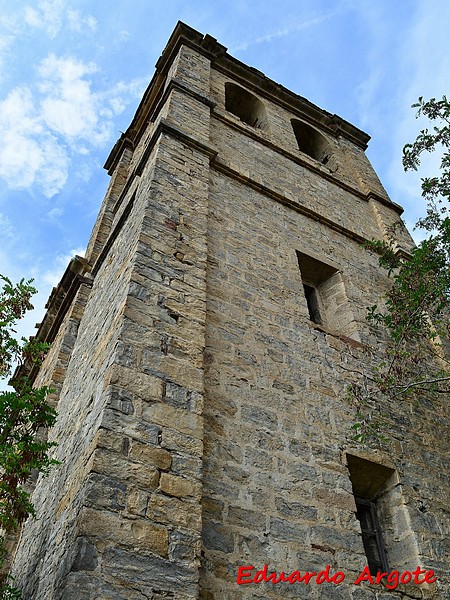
(379, 505)
(318, 280)
(325, 300)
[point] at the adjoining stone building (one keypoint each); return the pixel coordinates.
(197, 354)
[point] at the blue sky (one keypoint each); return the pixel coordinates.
(72, 74)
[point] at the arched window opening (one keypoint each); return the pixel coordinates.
(244, 105)
(310, 141)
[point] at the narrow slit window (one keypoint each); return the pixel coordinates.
(379, 508)
(324, 299)
(371, 535)
(312, 301)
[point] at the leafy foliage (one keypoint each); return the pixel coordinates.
(15, 302)
(435, 190)
(417, 307)
(24, 414)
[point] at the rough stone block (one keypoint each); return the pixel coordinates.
(142, 385)
(179, 419)
(170, 510)
(122, 468)
(105, 492)
(86, 557)
(179, 487)
(137, 501)
(242, 517)
(150, 573)
(105, 525)
(147, 454)
(217, 536)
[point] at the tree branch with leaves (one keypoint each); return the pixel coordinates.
(417, 306)
(24, 414)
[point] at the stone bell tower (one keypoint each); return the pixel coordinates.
(198, 354)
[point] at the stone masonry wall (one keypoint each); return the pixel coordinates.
(276, 418)
(48, 544)
(277, 424)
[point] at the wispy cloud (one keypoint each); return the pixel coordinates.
(418, 79)
(48, 15)
(54, 214)
(283, 32)
(6, 41)
(79, 23)
(6, 227)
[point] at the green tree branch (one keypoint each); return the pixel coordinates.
(24, 414)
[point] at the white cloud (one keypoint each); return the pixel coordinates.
(53, 15)
(29, 154)
(54, 214)
(70, 108)
(119, 97)
(45, 125)
(5, 43)
(47, 16)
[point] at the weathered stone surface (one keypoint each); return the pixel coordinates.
(119, 466)
(178, 419)
(158, 457)
(105, 492)
(144, 386)
(184, 546)
(217, 537)
(172, 511)
(179, 487)
(151, 572)
(137, 501)
(105, 525)
(249, 519)
(111, 440)
(86, 557)
(93, 587)
(174, 440)
(121, 400)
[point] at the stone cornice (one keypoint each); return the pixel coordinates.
(59, 302)
(166, 128)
